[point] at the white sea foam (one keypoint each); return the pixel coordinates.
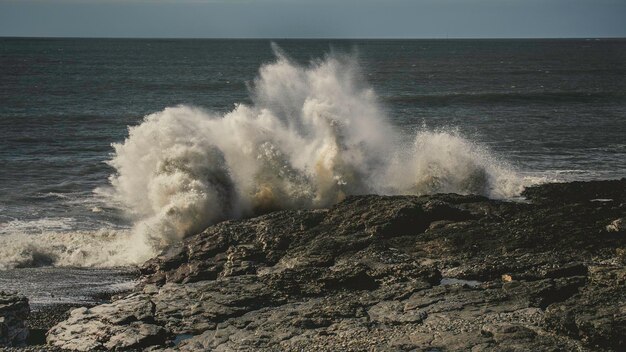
(37, 226)
(312, 136)
(103, 248)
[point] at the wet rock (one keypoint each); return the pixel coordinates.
(575, 192)
(596, 316)
(441, 273)
(14, 311)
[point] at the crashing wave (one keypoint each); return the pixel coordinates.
(312, 136)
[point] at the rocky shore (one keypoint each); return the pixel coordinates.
(385, 273)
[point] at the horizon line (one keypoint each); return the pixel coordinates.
(313, 38)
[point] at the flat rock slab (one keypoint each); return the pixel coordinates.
(123, 324)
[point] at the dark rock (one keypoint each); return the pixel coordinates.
(596, 316)
(14, 311)
(574, 192)
(123, 324)
(441, 273)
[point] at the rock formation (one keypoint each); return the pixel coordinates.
(14, 312)
(432, 273)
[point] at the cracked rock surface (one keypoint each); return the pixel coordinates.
(430, 273)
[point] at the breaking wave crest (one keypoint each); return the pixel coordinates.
(313, 135)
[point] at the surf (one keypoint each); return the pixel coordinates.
(312, 135)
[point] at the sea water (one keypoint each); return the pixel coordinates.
(112, 149)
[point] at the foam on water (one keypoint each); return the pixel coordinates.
(101, 248)
(313, 135)
(35, 226)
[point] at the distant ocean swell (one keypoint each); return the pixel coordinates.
(505, 98)
(313, 135)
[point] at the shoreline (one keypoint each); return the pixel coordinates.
(49, 286)
(383, 272)
(44, 316)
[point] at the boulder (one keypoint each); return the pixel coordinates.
(14, 311)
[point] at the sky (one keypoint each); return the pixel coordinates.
(314, 19)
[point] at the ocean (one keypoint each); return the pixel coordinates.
(230, 128)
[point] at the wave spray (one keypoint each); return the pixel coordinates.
(312, 136)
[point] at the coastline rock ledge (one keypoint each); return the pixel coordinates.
(385, 273)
